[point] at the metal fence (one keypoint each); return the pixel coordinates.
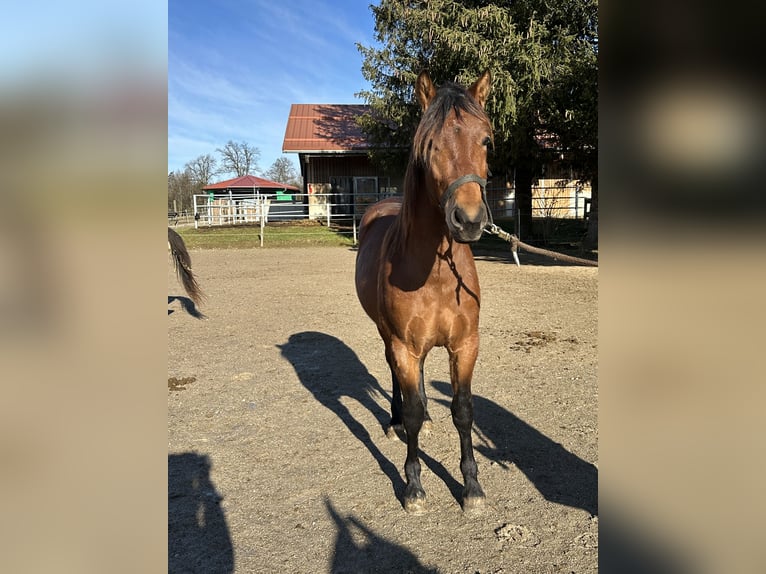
(566, 201)
(261, 209)
(180, 218)
(329, 209)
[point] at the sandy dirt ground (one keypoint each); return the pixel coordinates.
(277, 402)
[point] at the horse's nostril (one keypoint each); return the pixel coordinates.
(461, 219)
(458, 218)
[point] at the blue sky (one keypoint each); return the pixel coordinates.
(235, 67)
(79, 44)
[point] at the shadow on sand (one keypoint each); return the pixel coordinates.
(558, 475)
(198, 536)
(328, 368)
(359, 549)
(331, 370)
(187, 305)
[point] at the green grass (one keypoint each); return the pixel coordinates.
(300, 234)
(248, 236)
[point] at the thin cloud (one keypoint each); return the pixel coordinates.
(213, 85)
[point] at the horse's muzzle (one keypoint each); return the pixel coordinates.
(466, 229)
(463, 227)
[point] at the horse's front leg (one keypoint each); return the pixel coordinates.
(461, 372)
(405, 368)
(396, 399)
(427, 422)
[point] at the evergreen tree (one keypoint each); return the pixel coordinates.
(543, 60)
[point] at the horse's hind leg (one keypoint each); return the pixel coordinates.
(396, 403)
(461, 371)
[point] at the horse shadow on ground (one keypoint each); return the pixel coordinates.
(328, 368)
(558, 475)
(187, 305)
(368, 552)
(198, 536)
(628, 546)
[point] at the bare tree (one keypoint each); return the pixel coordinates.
(202, 169)
(181, 187)
(284, 171)
(239, 158)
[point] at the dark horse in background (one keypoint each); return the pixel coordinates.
(182, 264)
(415, 273)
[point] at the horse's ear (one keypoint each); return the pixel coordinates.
(424, 89)
(480, 88)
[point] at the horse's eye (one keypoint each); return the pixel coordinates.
(486, 141)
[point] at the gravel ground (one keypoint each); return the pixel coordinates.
(277, 457)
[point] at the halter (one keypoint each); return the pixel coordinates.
(471, 177)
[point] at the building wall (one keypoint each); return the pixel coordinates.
(349, 183)
(318, 169)
(560, 198)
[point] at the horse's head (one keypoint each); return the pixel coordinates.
(451, 144)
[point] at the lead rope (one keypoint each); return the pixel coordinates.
(515, 242)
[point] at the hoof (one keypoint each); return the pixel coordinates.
(415, 506)
(474, 504)
(414, 499)
(396, 431)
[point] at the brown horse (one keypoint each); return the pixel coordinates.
(415, 273)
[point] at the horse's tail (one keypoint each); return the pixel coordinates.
(182, 263)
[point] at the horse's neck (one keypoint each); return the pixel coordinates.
(423, 230)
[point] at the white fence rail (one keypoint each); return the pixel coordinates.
(325, 208)
(330, 210)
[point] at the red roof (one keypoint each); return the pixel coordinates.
(325, 127)
(249, 182)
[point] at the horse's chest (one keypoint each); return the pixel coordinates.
(443, 311)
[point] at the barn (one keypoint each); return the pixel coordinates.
(332, 152)
(338, 175)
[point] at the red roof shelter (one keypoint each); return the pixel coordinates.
(247, 199)
(249, 184)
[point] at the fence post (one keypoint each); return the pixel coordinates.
(263, 219)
